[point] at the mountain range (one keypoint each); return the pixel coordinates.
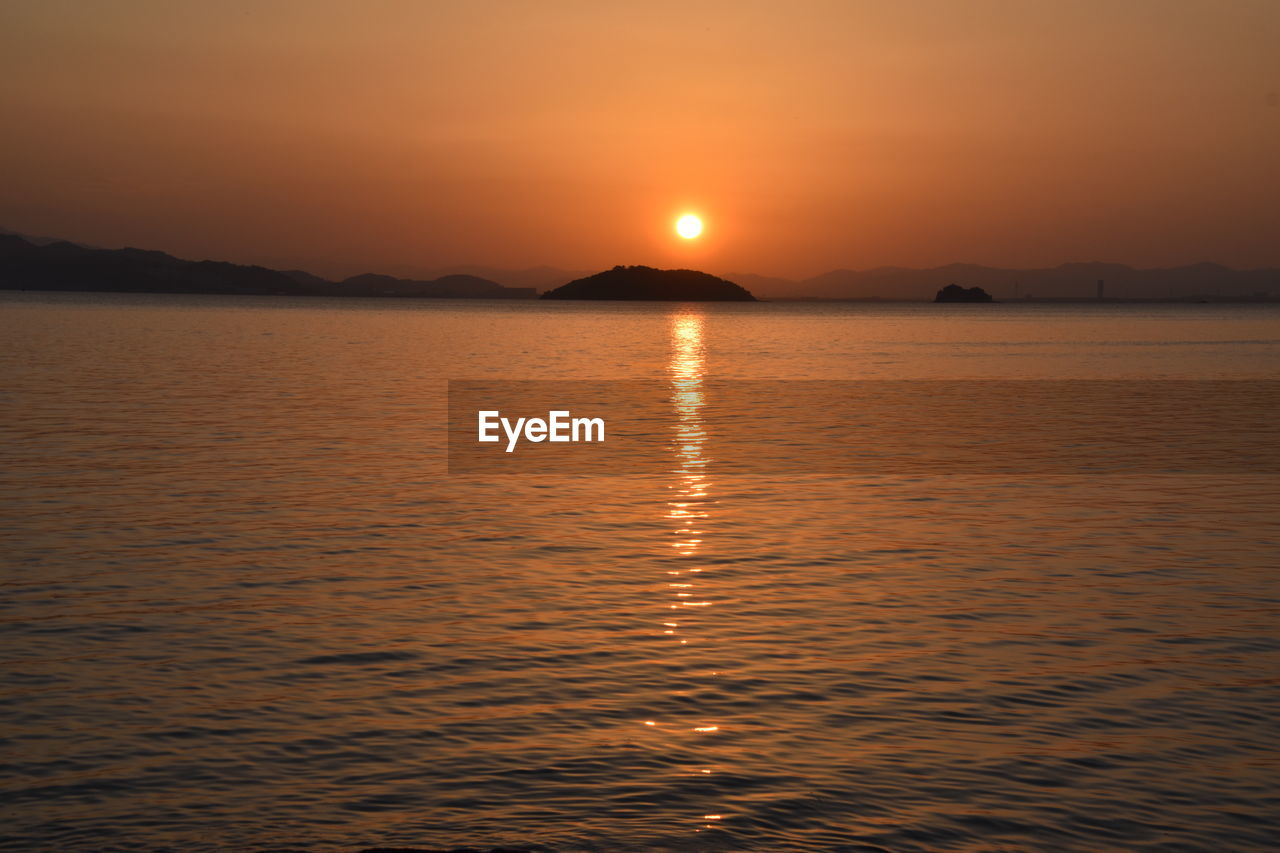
(1066, 281)
(47, 263)
(60, 265)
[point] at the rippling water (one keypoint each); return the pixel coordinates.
(245, 606)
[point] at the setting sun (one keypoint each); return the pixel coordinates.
(688, 226)
(1019, 264)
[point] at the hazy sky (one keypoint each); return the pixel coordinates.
(346, 137)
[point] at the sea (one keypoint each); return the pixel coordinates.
(251, 602)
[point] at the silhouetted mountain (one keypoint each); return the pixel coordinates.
(304, 277)
(540, 278)
(647, 283)
(38, 240)
(66, 266)
(956, 293)
(763, 284)
(456, 286)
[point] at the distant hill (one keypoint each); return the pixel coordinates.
(66, 266)
(40, 240)
(304, 277)
(956, 293)
(647, 283)
(454, 286)
(1066, 281)
(540, 278)
(765, 285)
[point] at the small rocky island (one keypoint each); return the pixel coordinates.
(956, 293)
(647, 283)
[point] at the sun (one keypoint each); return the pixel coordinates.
(688, 226)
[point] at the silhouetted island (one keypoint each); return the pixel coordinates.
(647, 283)
(956, 293)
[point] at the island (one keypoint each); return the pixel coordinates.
(647, 283)
(956, 293)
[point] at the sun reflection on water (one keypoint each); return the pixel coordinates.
(687, 508)
(689, 505)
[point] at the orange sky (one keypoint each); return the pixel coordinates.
(343, 138)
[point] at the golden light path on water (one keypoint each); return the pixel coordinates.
(688, 508)
(269, 623)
